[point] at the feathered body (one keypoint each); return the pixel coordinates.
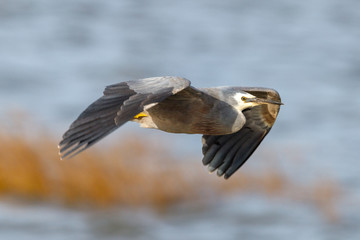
(232, 120)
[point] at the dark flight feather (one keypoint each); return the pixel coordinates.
(120, 103)
(227, 153)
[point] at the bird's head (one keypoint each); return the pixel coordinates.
(247, 100)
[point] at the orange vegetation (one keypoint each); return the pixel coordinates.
(132, 173)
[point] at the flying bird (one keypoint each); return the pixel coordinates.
(232, 120)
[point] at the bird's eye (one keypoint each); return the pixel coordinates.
(243, 99)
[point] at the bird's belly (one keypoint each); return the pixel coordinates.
(184, 121)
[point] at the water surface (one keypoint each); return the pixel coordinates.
(57, 56)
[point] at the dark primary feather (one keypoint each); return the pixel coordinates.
(119, 104)
(227, 153)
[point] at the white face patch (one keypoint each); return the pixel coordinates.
(239, 95)
(241, 104)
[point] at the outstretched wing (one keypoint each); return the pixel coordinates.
(227, 153)
(120, 103)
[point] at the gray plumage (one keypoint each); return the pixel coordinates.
(233, 120)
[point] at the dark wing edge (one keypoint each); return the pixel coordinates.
(227, 153)
(119, 104)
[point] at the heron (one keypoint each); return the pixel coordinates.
(232, 120)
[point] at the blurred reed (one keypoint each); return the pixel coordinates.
(133, 172)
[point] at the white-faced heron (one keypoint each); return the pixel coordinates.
(232, 120)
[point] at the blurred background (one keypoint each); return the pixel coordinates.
(56, 57)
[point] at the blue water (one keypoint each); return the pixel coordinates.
(57, 56)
